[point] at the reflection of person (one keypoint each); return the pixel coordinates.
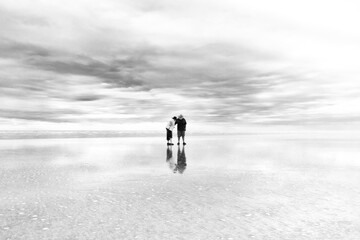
(170, 160)
(169, 128)
(181, 160)
(181, 128)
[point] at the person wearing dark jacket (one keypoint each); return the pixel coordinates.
(181, 128)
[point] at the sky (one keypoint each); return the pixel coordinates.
(228, 65)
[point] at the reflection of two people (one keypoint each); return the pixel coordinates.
(180, 166)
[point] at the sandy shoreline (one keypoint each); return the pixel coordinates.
(63, 190)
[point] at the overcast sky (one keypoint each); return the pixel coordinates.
(133, 64)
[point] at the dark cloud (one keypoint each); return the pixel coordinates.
(43, 115)
(212, 67)
(214, 72)
(119, 72)
(19, 50)
(88, 97)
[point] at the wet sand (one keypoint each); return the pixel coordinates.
(238, 187)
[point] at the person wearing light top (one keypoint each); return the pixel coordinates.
(169, 128)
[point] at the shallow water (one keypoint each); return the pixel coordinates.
(228, 187)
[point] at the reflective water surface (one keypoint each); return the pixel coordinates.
(239, 187)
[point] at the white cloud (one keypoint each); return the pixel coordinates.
(231, 61)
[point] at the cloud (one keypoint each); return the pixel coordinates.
(48, 116)
(88, 97)
(118, 71)
(234, 62)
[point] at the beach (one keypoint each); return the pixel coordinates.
(215, 187)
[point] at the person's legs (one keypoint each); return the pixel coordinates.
(183, 137)
(178, 135)
(167, 139)
(171, 143)
(168, 136)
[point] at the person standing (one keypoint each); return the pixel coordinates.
(181, 128)
(169, 128)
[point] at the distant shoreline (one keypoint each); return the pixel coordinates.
(53, 134)
(68, 134)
